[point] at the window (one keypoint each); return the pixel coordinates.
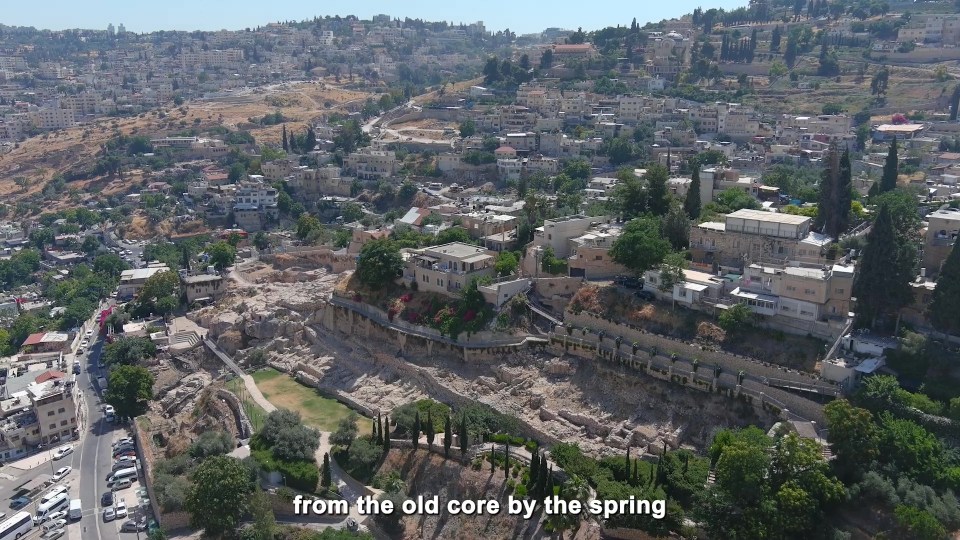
(49, 413)
(808, 291)
(63, 423)
(53, 426)
(598, 258)
(838, 291)
(791, 288)
(61, 410)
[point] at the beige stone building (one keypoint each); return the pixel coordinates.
(448, 268)
(748, 236)
(807, 292)
(943, 225)
(202, 287)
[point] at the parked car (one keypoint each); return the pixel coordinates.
(88, 334)
(55, 516)
(133, 526)
(123, 453)
(62, 452)
(106, 499)
(109, 514)
(121, 508)
(19, 503)
(121, 484)
(54, 534)
(108, 409)
(61, 473)
(54, 524)
(125, 440)
(84, 343)
(645, 295)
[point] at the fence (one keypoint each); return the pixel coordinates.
(478, 340)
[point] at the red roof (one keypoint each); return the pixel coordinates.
(49, 375)
(34, 339)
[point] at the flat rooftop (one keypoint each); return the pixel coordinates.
(769, 217)
(458, 250)
(952, 214)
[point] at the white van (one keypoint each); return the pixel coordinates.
(59, 502)
(52, 494)
(129, 472)
(76, 509)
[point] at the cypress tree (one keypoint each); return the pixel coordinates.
(534, 470)
(429, 430)
(944, 311)
(375, 435)
(691, 203)
(506, 458)
(626, 473)
(540, 489)
(447, 437)
(415, 436)
(833, 207)
(886, 269)
(386, 433)
(891, 167)
(326, 480)
(463, 435)
(286, 145)
(954, 103)
(493, 458)
(550, 484)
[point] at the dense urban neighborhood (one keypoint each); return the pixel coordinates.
(708, 262)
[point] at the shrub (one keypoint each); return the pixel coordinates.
(302, 475)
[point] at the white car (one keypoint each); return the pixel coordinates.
(56, 490)
(55, 516)
(61, 473)
(84, 343)
(108, 409)
(126, 459)
(54, 534)
(109, 514)
(121, 509)
(88, 334)
(125, 440)
(54, 524)
(62, 452)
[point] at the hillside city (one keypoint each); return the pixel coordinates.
(709, 260)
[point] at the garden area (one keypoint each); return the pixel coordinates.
(254, 411)
(317, 411)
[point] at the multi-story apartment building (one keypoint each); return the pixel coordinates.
(590, 253)
(448, 268)
(40, 410)
(370, 164)
(131, 281)
(749, 236)
(215, 58)
(943, 226)
(52, 118)
(808, 292)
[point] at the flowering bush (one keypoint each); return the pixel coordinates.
(406, 298)
(469, 315)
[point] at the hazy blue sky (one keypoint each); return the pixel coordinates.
(520, 17)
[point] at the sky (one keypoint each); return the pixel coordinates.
(519, 17)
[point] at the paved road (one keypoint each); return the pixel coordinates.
(93, 456)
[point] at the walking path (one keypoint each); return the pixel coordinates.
(349, 487)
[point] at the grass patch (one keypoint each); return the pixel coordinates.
(316, 410)
(255, 412)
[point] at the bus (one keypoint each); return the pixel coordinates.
(17, 526)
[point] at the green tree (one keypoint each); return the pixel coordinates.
(261, 241)
(219, 496)
(109, 264)
(891, 168)
(379, 263)
(676, 227)
(918, 524)
(128, 351)
(236, 173)
(326, 479)
(221, 254)
(346, 431)
(619, 150)
(629, 196)
(447, 436)
(306, 225)
(853, 436)
(886, 270)
(90, 245)
(261, 509)
(658, 198)
(833, 209)
(691, 203)
(640, 247)
(506, 263)
(462, 435)
(736, 318)
(944, 312)
(671, 271)
(468, 128)
(912, 449)
(130, 388)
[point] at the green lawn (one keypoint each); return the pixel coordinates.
(317, 411)
(254, 411)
